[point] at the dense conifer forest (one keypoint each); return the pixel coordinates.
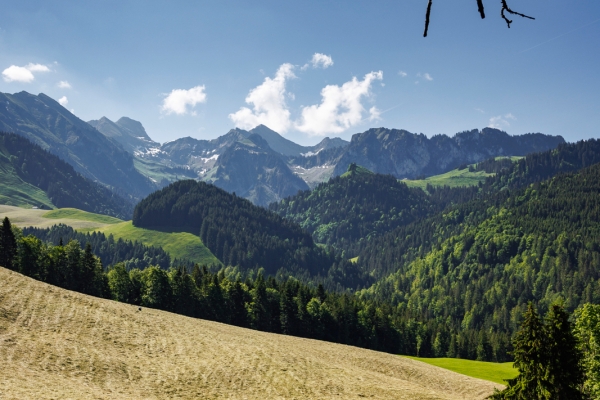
(236, 231)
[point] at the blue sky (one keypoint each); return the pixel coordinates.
(310, 69)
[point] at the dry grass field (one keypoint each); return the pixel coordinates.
(57, 344)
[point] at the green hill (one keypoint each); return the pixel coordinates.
(178, 243)
(236, 231)
(354, 206)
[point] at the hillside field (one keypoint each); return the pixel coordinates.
(178, 244)
(455, 178)
(495, 372)
(60, 344)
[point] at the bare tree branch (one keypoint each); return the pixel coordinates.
(427, 18)
(506, 8)
(480, 6)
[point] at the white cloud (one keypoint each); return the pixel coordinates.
(268, 103)
(374, 114)
(64, 85)
(340, 108)
(63, 101)
(402, 74)
(24, 74)
(178, 100)
(501, 121)
(17, 74)
(319, 60)
(425, 76)
(37, 67)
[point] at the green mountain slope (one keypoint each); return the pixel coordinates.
(538, 244)
(32, 176)
(354, 206)
(236, 231)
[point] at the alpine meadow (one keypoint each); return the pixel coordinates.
(308, 200)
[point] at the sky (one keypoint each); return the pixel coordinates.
(310, 69)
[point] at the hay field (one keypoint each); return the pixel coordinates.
(60, 344)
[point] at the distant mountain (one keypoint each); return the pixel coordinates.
(289, 148)
(129, 133)
(254, 171)
(407, 155)
(48, 124)
(31, 176)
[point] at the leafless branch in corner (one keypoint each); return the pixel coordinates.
(427, 18)
(507, 9)
(481, 10)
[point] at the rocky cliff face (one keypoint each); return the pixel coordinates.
(253, 170)
(407, 155)
(129, 133)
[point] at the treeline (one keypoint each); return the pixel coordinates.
(63, 185)
(110, 251)
(354, 206)
(236, 231)
(230, 296)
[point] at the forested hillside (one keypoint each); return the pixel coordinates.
(354, 206)
(62, 184)
(535, 244)
(236, 231)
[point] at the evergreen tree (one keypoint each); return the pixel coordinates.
(548, 360)
(564, 368)
(8, 245)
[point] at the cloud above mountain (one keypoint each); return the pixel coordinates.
(341, 107)
(268, 103)
(14, 73)
(182, 101)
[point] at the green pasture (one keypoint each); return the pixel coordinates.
(489, 371)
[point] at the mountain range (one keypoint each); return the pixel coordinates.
(260, 164)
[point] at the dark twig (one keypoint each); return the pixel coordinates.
(506, 8)
(480, 6)
(427, 18)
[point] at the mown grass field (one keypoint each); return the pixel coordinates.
(494, 372)
(177, 243)
(60, 344)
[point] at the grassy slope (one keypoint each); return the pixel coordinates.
(494, 372)
(15, 192)
(60, 344)
(455, 177)
(73, 213)
(452, 178)
(177, 243)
